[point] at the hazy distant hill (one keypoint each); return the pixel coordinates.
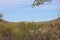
(49, 30)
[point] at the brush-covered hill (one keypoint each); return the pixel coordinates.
(49, 30)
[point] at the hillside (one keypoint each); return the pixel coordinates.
(49, 30)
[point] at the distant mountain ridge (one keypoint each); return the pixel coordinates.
(58, 19)
(1, 20)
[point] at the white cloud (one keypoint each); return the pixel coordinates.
(6, 3)
(15, 1)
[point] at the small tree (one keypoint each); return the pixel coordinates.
(1, 16)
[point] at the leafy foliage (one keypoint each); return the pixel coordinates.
(39, 2)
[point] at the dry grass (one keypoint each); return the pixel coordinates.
(30, 30)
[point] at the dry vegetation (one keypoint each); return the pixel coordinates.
(30, 30)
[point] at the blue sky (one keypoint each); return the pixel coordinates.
(21, 10)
